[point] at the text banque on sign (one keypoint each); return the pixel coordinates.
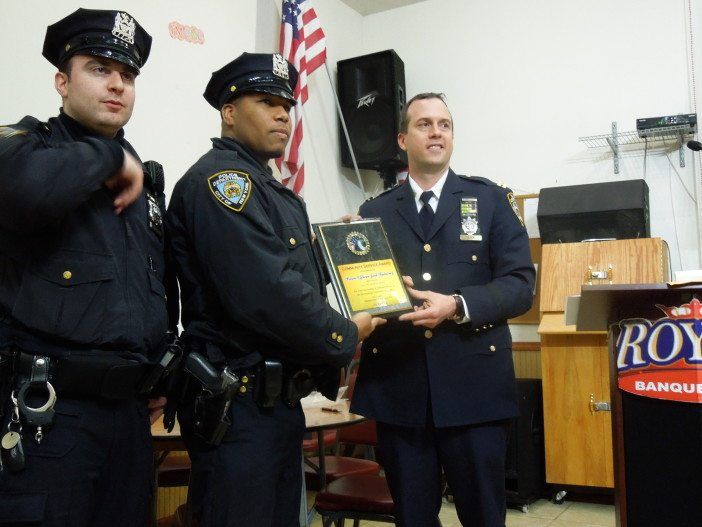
(663, 359)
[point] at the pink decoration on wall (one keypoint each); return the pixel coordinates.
(190, 34)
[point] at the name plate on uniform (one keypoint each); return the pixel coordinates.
(362, 268)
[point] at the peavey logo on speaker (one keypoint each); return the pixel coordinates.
(367, 100)
(663, 359)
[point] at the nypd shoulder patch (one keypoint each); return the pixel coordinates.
(231, 188)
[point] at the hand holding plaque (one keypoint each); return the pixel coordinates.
(363, 270)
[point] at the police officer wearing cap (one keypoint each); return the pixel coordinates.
(253, 301)
(82, 305)
(440, 380)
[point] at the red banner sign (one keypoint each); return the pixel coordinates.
(663, 359)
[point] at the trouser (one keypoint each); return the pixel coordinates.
(254, 476)
(93, 468)
(472, 458)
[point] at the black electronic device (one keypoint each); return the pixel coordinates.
(372, 95)
(651, 126)
(524, 478)
(612, 210)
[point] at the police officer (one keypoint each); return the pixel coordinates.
(442, 387)
(253, 301)
(82, 302)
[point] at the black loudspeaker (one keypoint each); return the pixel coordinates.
(664, 437)
(617, 209)
(371, 92)
(525, 447)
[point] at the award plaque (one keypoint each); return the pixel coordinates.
(363, 270)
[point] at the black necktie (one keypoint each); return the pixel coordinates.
(426, 213)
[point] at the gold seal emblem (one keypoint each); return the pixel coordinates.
(358, 243)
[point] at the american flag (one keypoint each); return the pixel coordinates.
(302, 42)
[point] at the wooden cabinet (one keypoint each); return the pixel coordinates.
(575, 364)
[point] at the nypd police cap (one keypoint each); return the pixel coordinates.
(111, 34)
(252, 72)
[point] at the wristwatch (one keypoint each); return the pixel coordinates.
(460, 311)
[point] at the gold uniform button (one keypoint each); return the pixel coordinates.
(292, 241)
(340, 339)
(334, 335)
(428, 334)
(426, 277)
(427, 248)
(242, 389)
(474, 258)
(374, 350)
(244, 379)
(493, 348)
(67, 275)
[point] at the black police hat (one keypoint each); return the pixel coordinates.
(111, 34)
(252, 72)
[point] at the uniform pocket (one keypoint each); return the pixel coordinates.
(295, 240)
(66, 295)
(58, 440)
(22, 507)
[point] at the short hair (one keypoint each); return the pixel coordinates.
(404, 120)
(66, 66)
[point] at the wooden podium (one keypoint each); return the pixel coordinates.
(655, 357)
(575, 364)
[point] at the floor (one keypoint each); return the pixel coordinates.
(540, 514)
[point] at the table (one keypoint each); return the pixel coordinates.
(317, 419)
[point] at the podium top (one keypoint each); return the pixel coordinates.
(602, 305)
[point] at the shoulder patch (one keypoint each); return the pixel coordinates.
(515, 207)
(231, 188)
(9, 131)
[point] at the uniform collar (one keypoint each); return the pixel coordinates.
(227, 143)
(436, 189)
(76, 130)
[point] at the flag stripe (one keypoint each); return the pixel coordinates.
(303, 43)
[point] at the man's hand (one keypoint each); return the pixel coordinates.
(127, 183)
(156, 407)
(348, 218)
(434, 310)
(366, 324)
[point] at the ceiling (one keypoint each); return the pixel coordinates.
(368, 7)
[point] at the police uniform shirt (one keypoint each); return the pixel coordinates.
(434, 203)
(74, 272)
(250, 282)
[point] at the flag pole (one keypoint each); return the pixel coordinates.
(346, 131)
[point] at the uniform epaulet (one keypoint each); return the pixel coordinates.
(386, 191)
(484, 181)
(27, 125)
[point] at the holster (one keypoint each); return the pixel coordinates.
(212, 416)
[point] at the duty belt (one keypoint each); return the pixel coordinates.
(80, 375)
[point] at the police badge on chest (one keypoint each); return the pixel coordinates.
(470, 228)
(154, 215)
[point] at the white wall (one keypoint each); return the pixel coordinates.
(524, 80)
(172, 123)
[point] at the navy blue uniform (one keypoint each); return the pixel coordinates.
(441, 396)
(251, 289)
(78, 280)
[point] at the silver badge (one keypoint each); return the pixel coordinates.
(125, 27)
(280, 66)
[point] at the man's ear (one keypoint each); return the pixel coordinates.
(401, 141)
(60, 83)
(228, 113)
